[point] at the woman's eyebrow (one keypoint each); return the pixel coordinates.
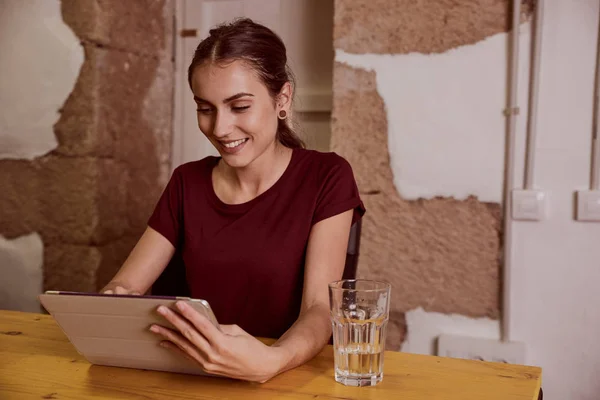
(227, 100)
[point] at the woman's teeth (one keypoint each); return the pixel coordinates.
(231, 145)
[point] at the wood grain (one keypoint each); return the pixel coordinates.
(38, 362)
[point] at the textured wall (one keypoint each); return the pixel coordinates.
(406, 26)
(89, 199)
(441, 254)
(41, 59)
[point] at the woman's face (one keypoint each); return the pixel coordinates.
(235, 111)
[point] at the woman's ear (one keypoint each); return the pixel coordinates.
(284, 98)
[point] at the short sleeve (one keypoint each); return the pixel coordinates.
(166, 218)
(339, 193)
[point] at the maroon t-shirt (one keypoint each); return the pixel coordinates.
(247, 260)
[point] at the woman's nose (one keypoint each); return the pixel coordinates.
(222, 125)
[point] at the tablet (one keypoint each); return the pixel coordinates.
(113, 329)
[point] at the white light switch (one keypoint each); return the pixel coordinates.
(528, 205)
(588, 205)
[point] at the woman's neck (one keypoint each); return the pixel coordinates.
(258, 176)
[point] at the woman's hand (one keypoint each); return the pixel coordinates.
(115, 288)
(230, 351)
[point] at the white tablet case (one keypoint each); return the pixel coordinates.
(113, 330)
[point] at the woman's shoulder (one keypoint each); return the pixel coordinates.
(323, 160)
(323, 164)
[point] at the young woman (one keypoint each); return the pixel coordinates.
(262, 229)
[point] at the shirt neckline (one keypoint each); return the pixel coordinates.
(248, 204)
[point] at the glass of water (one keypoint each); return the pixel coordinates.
(360, 312)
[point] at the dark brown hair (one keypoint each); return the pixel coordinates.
(262, 50)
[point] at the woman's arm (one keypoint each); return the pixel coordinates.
(144, 265)
(325, 260)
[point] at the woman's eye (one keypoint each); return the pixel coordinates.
(240, 109)
(204, 110)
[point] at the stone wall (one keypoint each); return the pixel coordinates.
(89, 198)
(441, 254)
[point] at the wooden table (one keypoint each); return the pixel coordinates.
(38, 362)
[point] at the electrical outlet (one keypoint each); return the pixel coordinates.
(588, 205)
(529, 205)
(483, 349)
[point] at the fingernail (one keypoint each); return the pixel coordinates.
(162, 310)
(154, 328)
(181, 305)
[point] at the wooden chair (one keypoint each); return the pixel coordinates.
(172, 282)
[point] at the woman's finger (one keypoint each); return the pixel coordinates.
(187, 330)
(212, 334)
(120, 290)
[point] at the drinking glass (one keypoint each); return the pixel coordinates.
(360, 312)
